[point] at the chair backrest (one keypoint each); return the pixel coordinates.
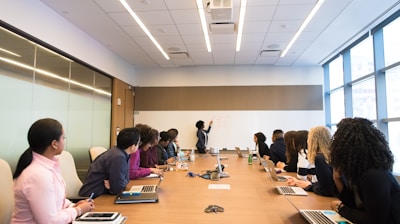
(96, 151)
(68, 172)
(6, 192)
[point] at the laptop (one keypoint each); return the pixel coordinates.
(271, 169)
(323, 217)
(139, 194)
(291, 190)
(240, 154)
(222, 174)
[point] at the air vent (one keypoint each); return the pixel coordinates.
(222, 28)
(270, 53)
(179, 55)
(221, 10)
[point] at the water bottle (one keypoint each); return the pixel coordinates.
(192, 155)
(250, 158)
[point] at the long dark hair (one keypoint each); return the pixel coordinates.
(40, 136)
(358, 146)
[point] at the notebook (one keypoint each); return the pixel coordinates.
(240, 154)
(139, 194)
(271, 169)
(323, 217)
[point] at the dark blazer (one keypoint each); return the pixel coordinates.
(201, 138)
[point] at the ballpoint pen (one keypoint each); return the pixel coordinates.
(91, 197)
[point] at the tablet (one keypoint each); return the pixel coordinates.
(99, 216)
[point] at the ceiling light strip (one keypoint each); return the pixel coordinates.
(305, 23)
(243, 4)
(144, 28)
(52, 75)
(204, 23)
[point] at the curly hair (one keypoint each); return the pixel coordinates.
(319, 141)
(358, 146)
(288, 138)
(148, 135)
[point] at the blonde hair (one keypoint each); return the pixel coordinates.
(319, 141)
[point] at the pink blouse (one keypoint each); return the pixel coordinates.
(39, 194)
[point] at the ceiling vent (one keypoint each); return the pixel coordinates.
(270, 53)
(221, 10)
(179, 55)
(222, 28)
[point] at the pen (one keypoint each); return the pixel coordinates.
(91, 197)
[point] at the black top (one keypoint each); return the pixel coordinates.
(277, 150)
(292, 165)
(324, 174)
(379, 198)
(263, 149)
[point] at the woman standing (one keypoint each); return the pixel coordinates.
(39, 189)
(362, 164)
(202, 136)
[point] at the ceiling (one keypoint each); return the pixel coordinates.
(175, 24)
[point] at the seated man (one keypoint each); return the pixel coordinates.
(109, 173)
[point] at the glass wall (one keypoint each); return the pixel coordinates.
(371, 75)
(36, 82)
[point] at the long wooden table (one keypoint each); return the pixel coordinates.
(251, 198)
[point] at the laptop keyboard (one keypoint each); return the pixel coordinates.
(148, 188)
(287, 190)
(318, 217)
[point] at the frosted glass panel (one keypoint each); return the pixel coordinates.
(55, 87)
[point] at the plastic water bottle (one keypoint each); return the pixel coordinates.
(250, 159)
(192, 155)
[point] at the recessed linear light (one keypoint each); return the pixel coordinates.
(9, 52)
(144, 28)
(305, 23)
(52, 75)
(203, 23)
(243, 4)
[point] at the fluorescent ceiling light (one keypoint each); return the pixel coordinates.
(305, 23)
(144, 28)
(243, 4)
(9, 52)
(52, 75)
(203, 23)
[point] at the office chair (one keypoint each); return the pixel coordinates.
(6, 193)
(96, 151)
(70, 176)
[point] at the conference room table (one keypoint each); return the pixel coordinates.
(251, 197)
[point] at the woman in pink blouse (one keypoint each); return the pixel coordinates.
(39, 189)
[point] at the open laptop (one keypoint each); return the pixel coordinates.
(240, 154)
(222, 174)
(271, 169)
(291, 190)
(323, 217)
(139, 194)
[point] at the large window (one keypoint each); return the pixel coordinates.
(366, 89)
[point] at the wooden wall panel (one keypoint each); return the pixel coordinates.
(299, 97)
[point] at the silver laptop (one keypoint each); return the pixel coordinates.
(323, 217)
(139, 194)
(221, 173)
(240, 154)
(270, 168)
(291, 190)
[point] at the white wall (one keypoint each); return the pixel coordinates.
(38, 20)
(230, 128)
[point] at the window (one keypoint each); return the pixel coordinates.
(336, 73)
(337, 106)
(364, 104)
(362, 59)
(391, 41)
(393, 92)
